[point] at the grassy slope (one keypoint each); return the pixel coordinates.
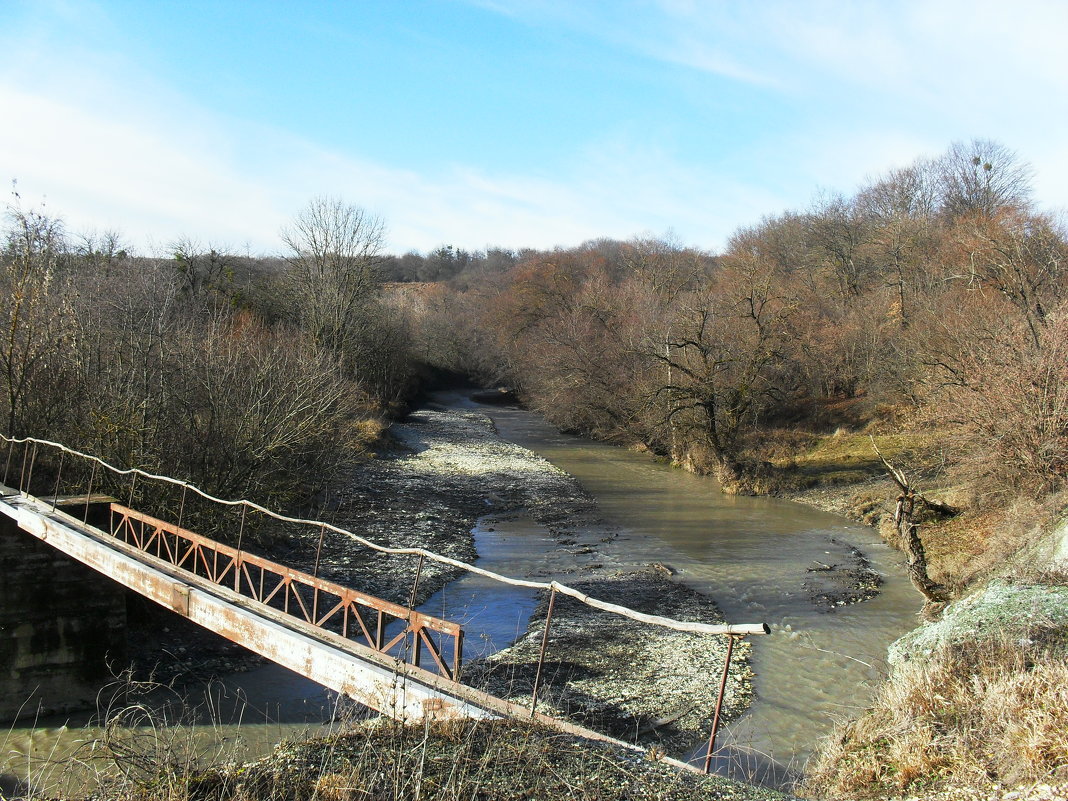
(485, 760)
(984, 712)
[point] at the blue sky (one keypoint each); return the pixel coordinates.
(501, 123)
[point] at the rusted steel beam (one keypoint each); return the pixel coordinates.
(719, 704)
(215, 561)
(368, 676)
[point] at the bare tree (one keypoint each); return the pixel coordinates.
(336, 249)
(900, 211)
(33, 319)
(837, 231)
(200, 270)
(1022, 256)
(727, 345)
(101, 251)
(982, 176)
(910, 505)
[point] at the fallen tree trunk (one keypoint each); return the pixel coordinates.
(908, 532)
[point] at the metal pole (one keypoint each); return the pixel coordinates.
(541, 655)
(89, 493)
(133, 486)
(59, 475)
(22, 470)
(181, 506)
(29, 478)
(319, 550)
(315, 573)
(7, 464)
(411, 608)
(237, 559)
(719, 702)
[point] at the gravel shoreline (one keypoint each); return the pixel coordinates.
(637, 682)
(446, 470)
(450, 469)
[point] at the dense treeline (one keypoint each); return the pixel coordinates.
(936, 292)
(250, 377)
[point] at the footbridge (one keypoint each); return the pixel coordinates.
(387, 656)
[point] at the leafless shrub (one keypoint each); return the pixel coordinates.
(1013, 399)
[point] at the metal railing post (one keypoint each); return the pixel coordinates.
(22, 469)
(719, 702)
(315, 573)
(237, 558)
(7, 463)
(59, 476)
(29, 478)
(541, 654)
(411, 608)
(89, 493)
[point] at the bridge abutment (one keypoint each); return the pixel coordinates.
(62, 628)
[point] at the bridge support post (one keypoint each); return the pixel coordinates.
(62, 627)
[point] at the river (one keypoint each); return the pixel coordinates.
(752, 555)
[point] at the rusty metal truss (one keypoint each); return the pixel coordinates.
(324, 604)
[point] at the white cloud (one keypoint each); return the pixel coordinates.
(879, 85)
(162, 169)
(111, 148)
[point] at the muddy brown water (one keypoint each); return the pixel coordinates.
(752, 555)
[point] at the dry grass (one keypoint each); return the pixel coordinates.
(143, 753)
(797, 460)
(847, 457)
(976, 712)
(444, 761)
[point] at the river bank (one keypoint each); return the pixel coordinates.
(438, 473)
(488, 760)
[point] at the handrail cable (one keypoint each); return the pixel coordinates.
(641, 617)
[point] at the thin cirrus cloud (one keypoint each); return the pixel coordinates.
(877, 83)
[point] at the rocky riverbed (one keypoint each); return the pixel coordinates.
(446, 470)
(449, 469)
(635, 681)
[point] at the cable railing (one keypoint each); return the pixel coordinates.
(25, 463)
